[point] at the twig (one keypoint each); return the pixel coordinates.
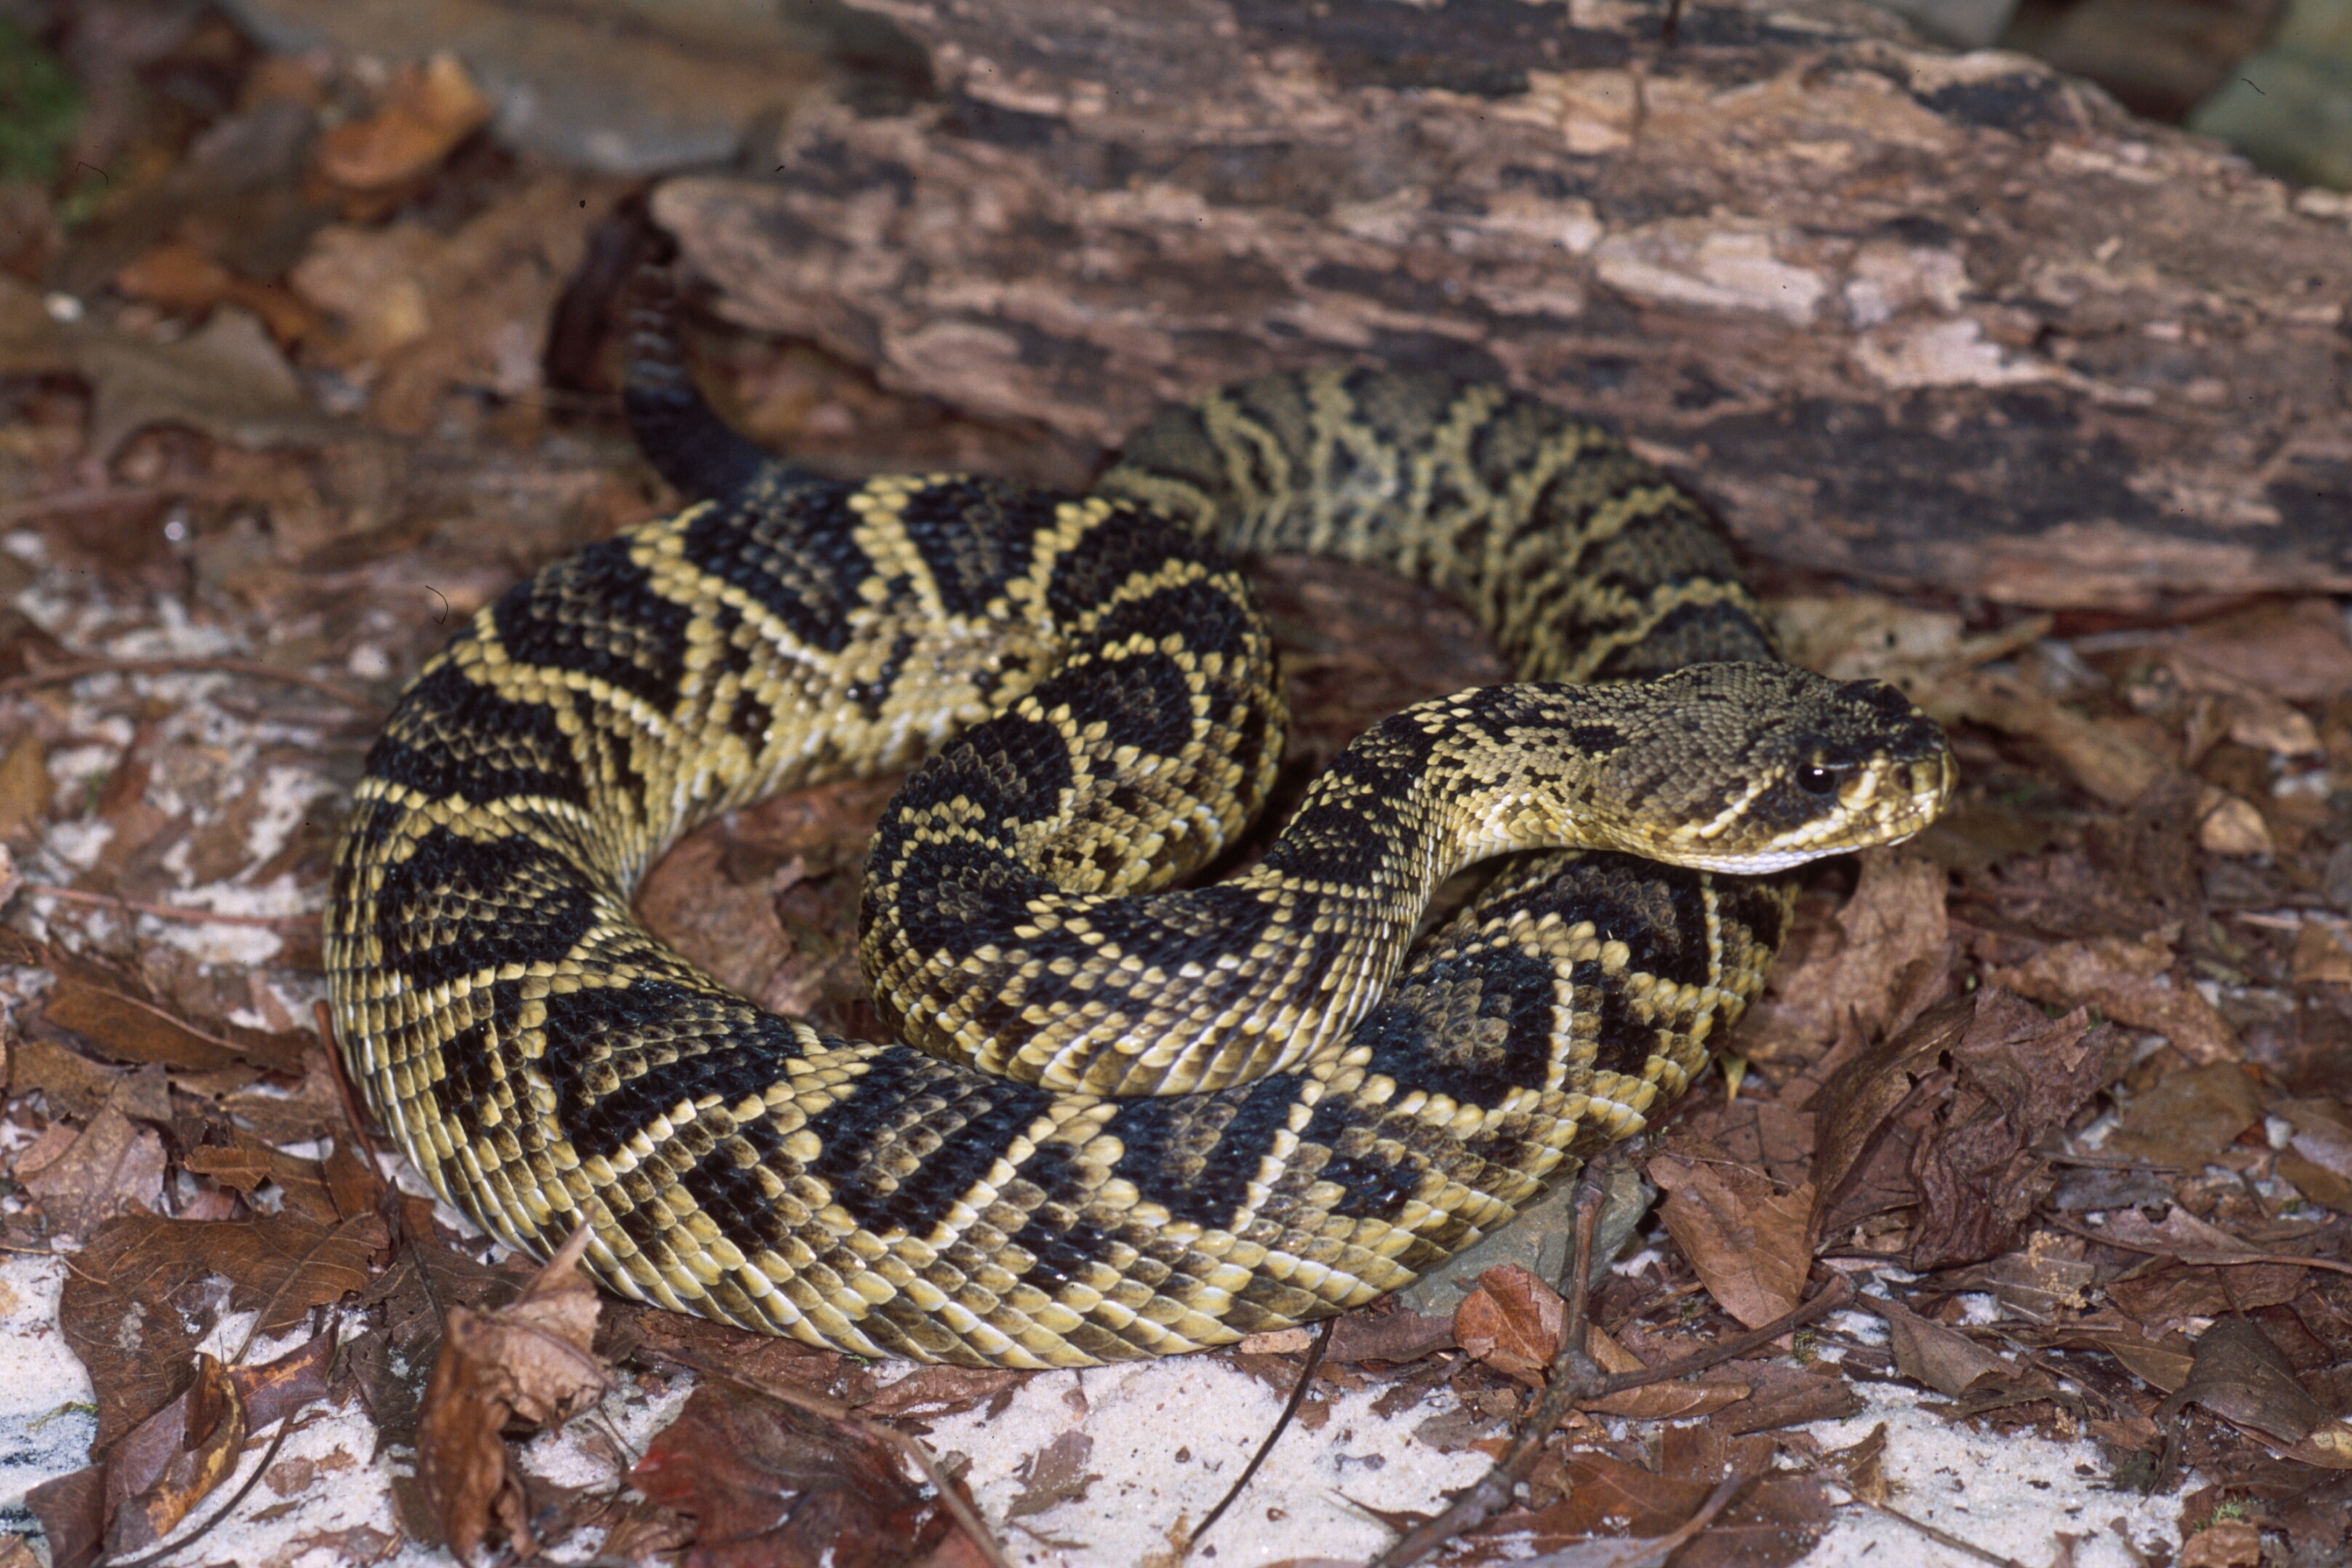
(324, 1016)
(1281, 1423)
(94, 497)
(1940, 1536)
(285, 1426)
(167, 911)
(1569, 1385)
(2212, 1259)
(1572, 1376)
(965, 1515)
(254, 669)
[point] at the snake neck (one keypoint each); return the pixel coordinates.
(1189, 991)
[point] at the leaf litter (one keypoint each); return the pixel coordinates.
(2061, 1086)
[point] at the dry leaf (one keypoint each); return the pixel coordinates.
(1945, 1360)
(1894, 920)
(2228, 824)
(187, 280)
(173, 1459)
(1864, 1466)
(2018, 1078)
(1054, 1474)
(2319, 1159)
(2323, 954)
(2297, 652)
(436, 310)
(2133, 983)
(2224, 1543)
(227, 378)
(1511, 1322)
(118, 1314)
(425, 115)
(2103, 757)
(769, 1485)
(114, 1166)
(2189, 1117)
(25, 786)
(2240, 1375)
(1748, 1243)
(530, 1361)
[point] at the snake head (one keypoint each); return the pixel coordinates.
(1755, 767)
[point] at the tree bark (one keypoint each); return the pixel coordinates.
(1947, 321)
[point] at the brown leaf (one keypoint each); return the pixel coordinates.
(2189, 1117)
(1896, 920)
(24, 785)
(433, 310)
(1748, 1243)
(426, 114)
(768, 1486)
(2323, 954)
(277, 1389)
(1054, 1474)
(1946, 1117)
(1511, 1322)
(2018, 1079)
(531, 1362)
(72, 1511)
(2224, 1543)
(246, 1163)
(2240, 1375)
(1856, 1110)
(428, 1278)
(115, 1164)
(1396, 1337)
(2131, 981)
(1945, 1360)
(2319, 1159)
(354, 1185)
(936, 1391)
(76, 1086)
(2296, 651)
(159, 1472)
(228, 378)
(1864, 1466)
(1773, 1523)
(2103, 756)
(117, 1312)
(128, 1025)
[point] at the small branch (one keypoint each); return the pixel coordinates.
(253, 669)
(1575, 1378)
(2207, 1259)
(167, 911)
(1281, 1423)
(1942, 1538)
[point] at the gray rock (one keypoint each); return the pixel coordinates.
(1538, 1240)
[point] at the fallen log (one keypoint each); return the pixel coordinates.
(1946, 320)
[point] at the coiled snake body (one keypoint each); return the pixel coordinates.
(1309, 1113)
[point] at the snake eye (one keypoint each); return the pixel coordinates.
(1817, 779)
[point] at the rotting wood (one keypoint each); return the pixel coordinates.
(1956, 321)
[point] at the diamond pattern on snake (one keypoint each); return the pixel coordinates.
(1122, 1116)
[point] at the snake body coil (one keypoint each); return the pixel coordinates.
(1096, 693)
